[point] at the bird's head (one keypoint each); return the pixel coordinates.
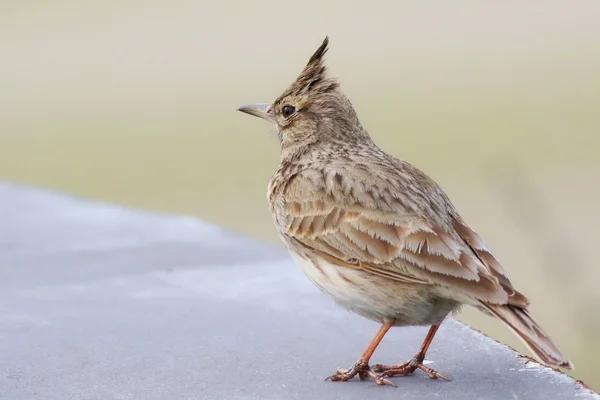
(311, 109)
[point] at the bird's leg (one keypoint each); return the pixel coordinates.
(413, 364)
(361, 367)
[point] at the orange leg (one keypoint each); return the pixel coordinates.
(413, 364)
(361, 368)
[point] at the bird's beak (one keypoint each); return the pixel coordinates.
(259, 110)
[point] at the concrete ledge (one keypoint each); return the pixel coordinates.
(101, 302)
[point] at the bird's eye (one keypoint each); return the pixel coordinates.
(288, 110)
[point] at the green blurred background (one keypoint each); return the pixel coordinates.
(134, 102)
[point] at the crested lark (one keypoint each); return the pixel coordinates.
(375, 233)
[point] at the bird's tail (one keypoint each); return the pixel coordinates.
(519, 321)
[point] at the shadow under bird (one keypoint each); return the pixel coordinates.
(374, 232)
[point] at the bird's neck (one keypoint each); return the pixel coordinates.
(326, 149)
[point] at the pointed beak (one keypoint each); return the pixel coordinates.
(259, 110)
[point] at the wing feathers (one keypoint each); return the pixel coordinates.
(396, 246)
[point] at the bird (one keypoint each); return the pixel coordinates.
(377, 234)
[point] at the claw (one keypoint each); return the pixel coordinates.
(380, 380)
(407, 368)
(433, 374)
(361, 369)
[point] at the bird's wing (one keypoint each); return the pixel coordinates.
(361, 224)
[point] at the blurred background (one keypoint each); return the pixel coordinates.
(134, 102)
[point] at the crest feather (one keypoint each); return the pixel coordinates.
(313, 79)
(320, 52)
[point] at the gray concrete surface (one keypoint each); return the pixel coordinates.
(102, 302)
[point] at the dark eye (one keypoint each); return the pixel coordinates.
(288, 110)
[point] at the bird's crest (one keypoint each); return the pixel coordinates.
(313, 78)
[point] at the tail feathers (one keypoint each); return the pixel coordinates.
(519, 321)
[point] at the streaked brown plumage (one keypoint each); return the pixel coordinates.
(375, 233)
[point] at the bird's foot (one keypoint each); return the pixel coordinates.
(407, 368)
(362, 369)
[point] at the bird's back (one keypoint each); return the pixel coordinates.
(361, 174)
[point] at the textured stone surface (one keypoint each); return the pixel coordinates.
(101, 302)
